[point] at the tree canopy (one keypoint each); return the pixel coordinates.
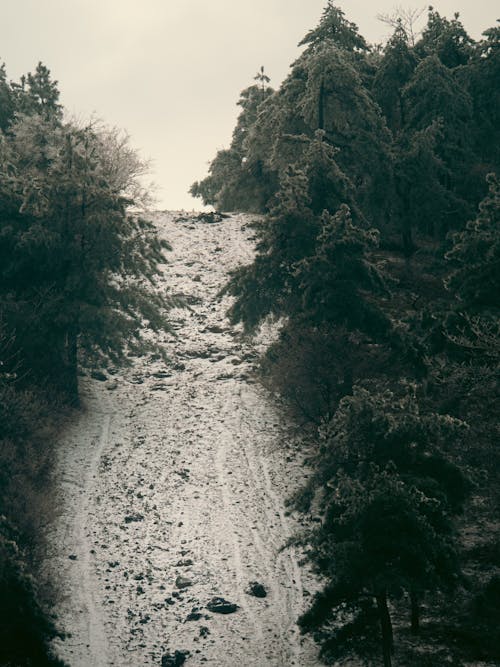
(383, 281)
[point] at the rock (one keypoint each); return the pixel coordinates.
(99, 375)
(111, 385)
(161, 375)
(183, 582)
(175, 660)
(194, 616)
(257, 590)
(215, 328)
(133, 517)
(204, 631)
(184, 563)
(221, 606)
(159, 386)
(210, 217)
(73, 557)
(225, 376)
(197, 278)
(179, 366)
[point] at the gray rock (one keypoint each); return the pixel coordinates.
(176, 659)
(159, 386)
(161, 374)
(257, 590)
(194, 616)
(183, 582)
(221, 606)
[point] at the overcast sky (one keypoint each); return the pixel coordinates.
(170, 71)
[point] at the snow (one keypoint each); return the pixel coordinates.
(180, 474)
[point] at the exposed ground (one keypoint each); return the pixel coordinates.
(172, 488)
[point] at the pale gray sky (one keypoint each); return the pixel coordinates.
(170, 71)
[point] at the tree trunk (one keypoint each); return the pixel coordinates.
(321, 107)
(347, 382)
(72, 366)
(404, 211)
(386, 627)
(415, 612)
(407, 236)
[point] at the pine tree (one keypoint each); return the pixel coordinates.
(393, 73)
(6, 101)
(446, 39)
(334, 27)
(237, 179)
(75, 263)
(37, 94)
(482, 76)
(475, 257)
(388, 494)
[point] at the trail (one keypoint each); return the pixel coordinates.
(181, 471)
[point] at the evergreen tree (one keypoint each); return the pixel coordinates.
(37, 94)
(334, 27)
(74, 262)
(475, 256)
(6, 101)
(237, 179)
(335, 100)
(269, 285)
(388, 493)
(335, 279)
(393, 73)
(433, 95)
(482, 76)
(446, 39)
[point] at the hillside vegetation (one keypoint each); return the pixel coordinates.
(77, 272)
(379, 255)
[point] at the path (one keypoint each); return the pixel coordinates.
(181, 473)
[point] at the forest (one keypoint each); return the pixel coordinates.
(371, 178)
(77, 272)
(374, 173)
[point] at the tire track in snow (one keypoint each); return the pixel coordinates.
(97, 638)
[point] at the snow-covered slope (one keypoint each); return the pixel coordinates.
(171, 492)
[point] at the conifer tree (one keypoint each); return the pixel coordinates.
(446, 39)
(6, 101)
(475, 257)
(37, 94)
(75, 263)
(393, 73)
(388, 494)
(334, 27)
